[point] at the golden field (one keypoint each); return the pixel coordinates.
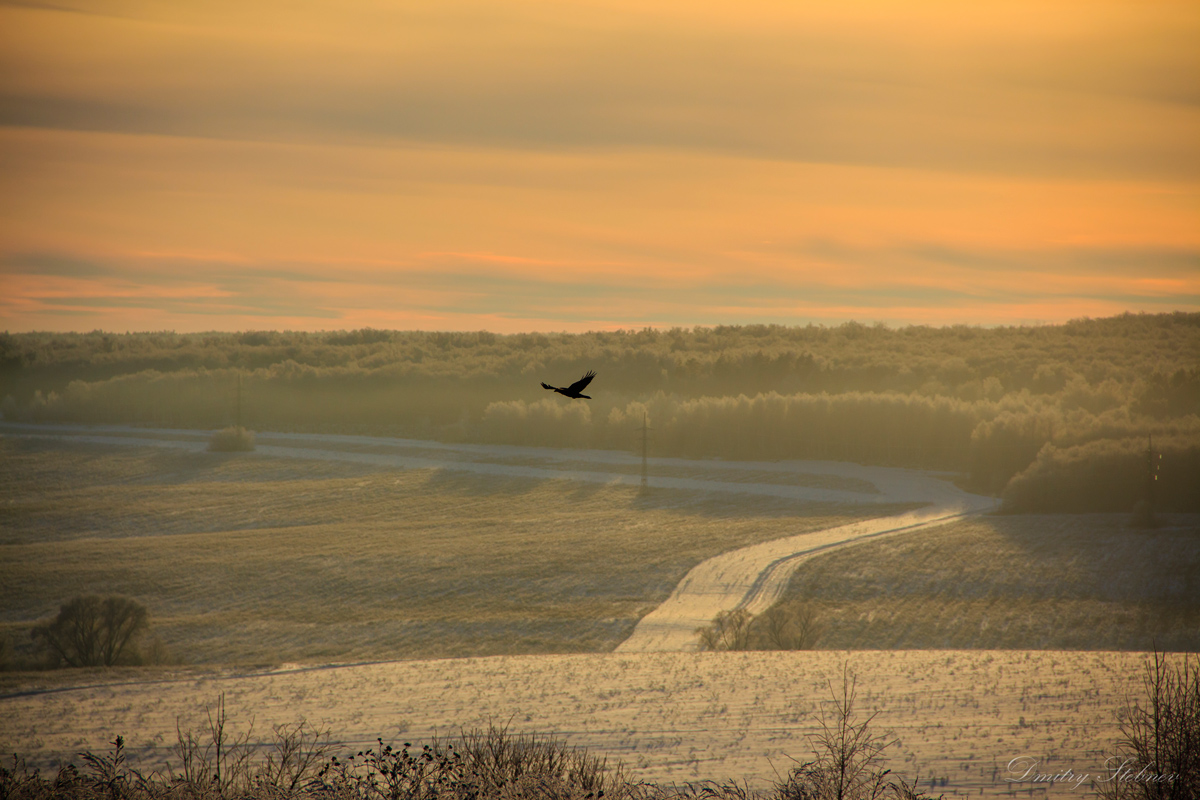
(958, 716)
(252, 559)
(405, 603)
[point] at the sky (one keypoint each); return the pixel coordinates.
(555, 165)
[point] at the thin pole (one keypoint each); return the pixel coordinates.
(645, 478)
(239, 399)
(1151, 473)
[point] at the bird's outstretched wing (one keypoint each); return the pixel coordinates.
(581, 384)
(547, 386)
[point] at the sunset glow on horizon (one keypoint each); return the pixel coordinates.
(548, 166)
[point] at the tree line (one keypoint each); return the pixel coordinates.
(988, 402)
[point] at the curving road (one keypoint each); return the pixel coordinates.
(754, 577)
(751, 578)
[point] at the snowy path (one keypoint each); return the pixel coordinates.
(754, 577)
(751, 578)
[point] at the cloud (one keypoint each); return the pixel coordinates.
(55, 264)
(43, 6)
(454, 294)
(603, 163)
(1093, 92)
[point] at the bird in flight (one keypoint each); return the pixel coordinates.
(575, 388)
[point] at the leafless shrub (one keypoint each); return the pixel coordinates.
(787, 628)
(847, 756)
(231, 440)
(110, 777)
(19, 782)
(729, 630)
(705, 790)
(216, 764)
(297, 752)
(490, 763)
(1158, 754)
(777, 628)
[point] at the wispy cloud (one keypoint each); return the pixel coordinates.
(1104, 91)
(608, 163)
(197, 294)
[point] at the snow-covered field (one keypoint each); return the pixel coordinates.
(961, 716)
(751, 577)
(958, 717)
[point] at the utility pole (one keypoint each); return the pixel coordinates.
(1153, 465)
(645, 473)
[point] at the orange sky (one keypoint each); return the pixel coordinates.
(565, 165)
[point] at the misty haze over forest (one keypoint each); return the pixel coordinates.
(1054, 417)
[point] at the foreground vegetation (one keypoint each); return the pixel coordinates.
(1156, 755)
(1071, 406)
(475, 765)
(218, 763)
(957, 717)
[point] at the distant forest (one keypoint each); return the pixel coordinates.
(1055, 417)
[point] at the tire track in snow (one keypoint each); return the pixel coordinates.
(755, 577)
(751, 578)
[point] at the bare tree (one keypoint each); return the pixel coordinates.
(847, 756)
(789, 629)
(729, 630)
(92, 631)
(1158, 754)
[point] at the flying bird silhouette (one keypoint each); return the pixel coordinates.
(575, 388)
